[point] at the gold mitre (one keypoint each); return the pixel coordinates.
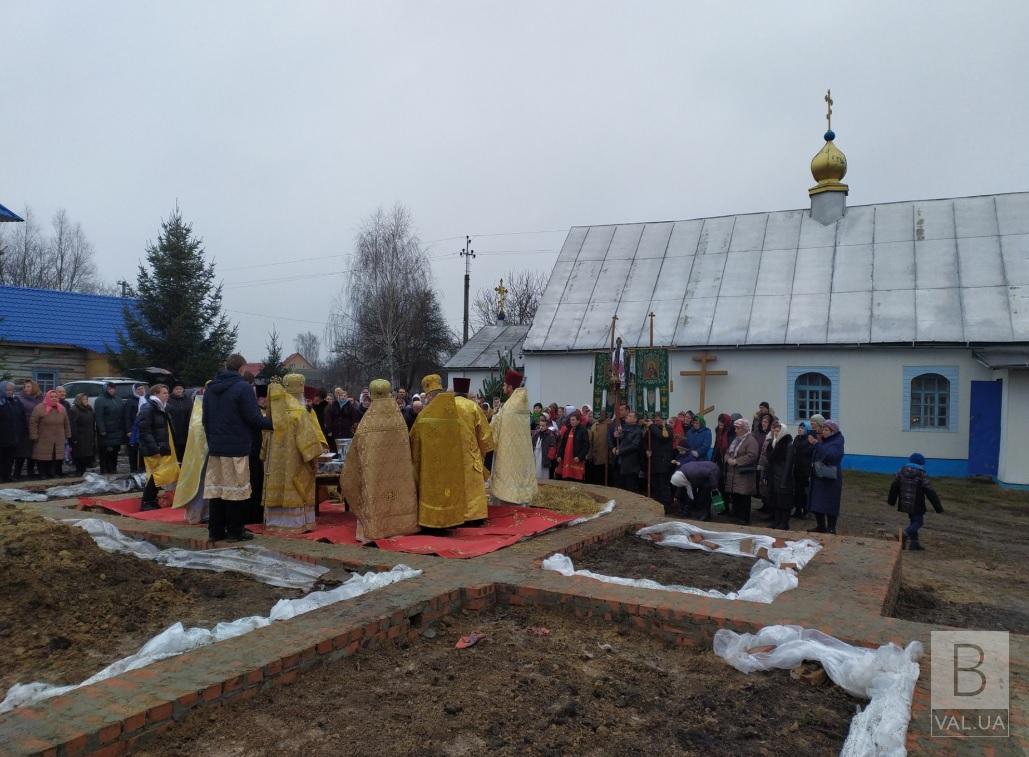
(380, 388)
(294, 383)
(432, 383)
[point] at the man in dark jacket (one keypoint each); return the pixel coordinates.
(659, 450)
(908, 492)
(179, 408)
(231, 415)
(152, 422)
(628, 449)
(110, 427)
(341, 416)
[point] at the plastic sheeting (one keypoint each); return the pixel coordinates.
(607, 508)
(794, 554)
(263, 564)
(177, 639)
(94, 483)
(766, 581)
(22, 495)
(886, 676)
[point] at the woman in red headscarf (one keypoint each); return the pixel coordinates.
(572, 448)
(49, 429)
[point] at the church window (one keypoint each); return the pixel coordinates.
(930, 398)
(813, 395)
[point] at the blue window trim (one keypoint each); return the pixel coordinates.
(793, 372)
(949, 372)
(57, 375)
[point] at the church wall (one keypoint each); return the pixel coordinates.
(869, 394)
(1014, 451)
(477, 378)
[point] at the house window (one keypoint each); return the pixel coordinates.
(47, 380)
(813, 395)
(930, 401)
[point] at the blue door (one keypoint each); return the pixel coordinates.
(984, 428)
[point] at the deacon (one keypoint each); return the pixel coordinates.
(514, 470)
(438, 455)
(189, 492)
(378, 484)
(477, 438)
(288, 454)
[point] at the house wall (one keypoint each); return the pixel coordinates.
(22, 362)
(477, 377)
(869, 394)
(1014, 451)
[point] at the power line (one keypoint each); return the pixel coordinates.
(281, 279)
(276, 317)
(285, 262)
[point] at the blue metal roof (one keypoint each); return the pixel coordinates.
(44, 316)
(7, 215)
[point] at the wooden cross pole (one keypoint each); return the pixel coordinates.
(612, 381)
(651, 317)
(704, 358)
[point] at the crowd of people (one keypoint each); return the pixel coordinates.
(682, 462)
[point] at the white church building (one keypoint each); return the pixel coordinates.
(906, 322)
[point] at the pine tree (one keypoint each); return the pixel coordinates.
(177, 322)
(273, 360)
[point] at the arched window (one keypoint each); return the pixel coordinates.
(930, 401)
(813, 395)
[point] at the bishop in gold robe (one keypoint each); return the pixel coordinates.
(514, 468)
(438, 456)
(288, 452)
(477, 438)
(377, 482)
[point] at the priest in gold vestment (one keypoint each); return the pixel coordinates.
(438, 454)
(477, 438)
(377, 482)
(514, 468)
(288, 453)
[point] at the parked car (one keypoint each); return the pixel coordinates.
(94, 387)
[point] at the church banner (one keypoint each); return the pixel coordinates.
(651, 382)
(601, 378)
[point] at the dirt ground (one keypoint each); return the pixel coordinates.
(583, 689)
(68, 609)
(972, 571)
(633, 557)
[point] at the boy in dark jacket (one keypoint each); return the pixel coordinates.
(908, 492)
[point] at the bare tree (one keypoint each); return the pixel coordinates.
(387, 321)
(62, 261)
(524, 290)
(310, 346)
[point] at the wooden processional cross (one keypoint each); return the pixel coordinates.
(704, 358)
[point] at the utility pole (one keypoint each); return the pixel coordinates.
(467, 253)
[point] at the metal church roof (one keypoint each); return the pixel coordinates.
(73, 319)
(481, 350)
(951, 271)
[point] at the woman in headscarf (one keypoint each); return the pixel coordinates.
(762, 426)
(83, 434)
(28, 398)
(723, 437)
(777, 471)
(741, 469)
(802, 451)
(49, 429)
(572, 447)
(698, 439)
(827, 478)
(12, 423)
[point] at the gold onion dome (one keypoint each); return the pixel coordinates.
(828, 167)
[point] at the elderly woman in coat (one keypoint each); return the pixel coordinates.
(827, 478)
(49, 429)
(28, 398)
(83, 434)
(776, 465)
(741, 470)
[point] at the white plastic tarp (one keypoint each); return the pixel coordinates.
(95, 483)
(22, 495)
(263, 564)
(886, 676)
(766, 582)
(687, 536)
(177, 639)
(607, 508)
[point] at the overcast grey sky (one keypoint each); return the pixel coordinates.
(279, 126)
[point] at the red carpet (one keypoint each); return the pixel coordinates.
(506, 525)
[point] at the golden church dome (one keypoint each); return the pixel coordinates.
(828, 167)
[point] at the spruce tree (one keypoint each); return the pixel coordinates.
(177, 322)
(273, 360)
